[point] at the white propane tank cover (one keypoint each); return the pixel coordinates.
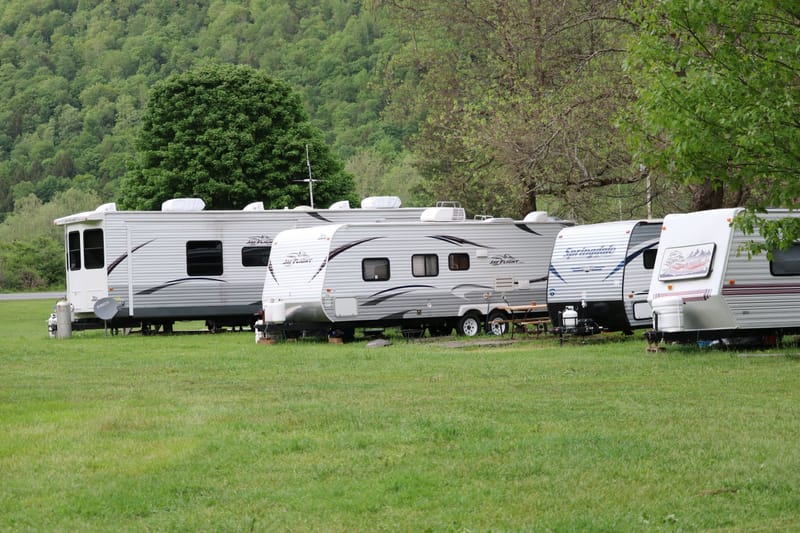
(105, 208)
(569, 317)
(254, 206)
(443, 214)
(536, 216)
(183, 204)
(381, 202)
(341, 204)
(275, 312)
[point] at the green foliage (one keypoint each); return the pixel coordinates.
(230, 135)
(515, 101)
(31, 246)
(75, 76)
(718, 98)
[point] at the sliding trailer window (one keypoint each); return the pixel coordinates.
(93, 249)
(458, 261)
(424, 265)
(375, 269)
(255, 256)
(74, 250)
(786, 262)
(204, 258)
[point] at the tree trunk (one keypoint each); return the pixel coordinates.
(708, 195)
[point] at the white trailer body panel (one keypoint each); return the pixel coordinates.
(163, 266)
(407, 273)
(704, 281)
(603, 272)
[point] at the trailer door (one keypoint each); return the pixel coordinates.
(86, 272)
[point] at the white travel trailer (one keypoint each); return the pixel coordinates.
(600, 275)
(705, 286)
(438, 273)
(150, 269)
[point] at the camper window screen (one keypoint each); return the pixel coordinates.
(376, 269)
(74, 250)
(204, 258)
(786, 262)
(255, 256)
(458, 261)
(93, 255)
(424, 265)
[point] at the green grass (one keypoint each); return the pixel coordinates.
(216, 433)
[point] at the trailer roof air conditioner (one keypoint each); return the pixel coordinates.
(183, 204)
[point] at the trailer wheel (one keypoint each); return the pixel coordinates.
(469, 325)
(498, 323)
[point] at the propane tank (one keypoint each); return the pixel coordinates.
(52, 325)
(63, 319)
(259, 329)
(569, 318)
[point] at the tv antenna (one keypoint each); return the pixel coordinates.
(310, 180)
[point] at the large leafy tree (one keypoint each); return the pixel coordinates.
(230, 134)
(516, 101)
(718, 104)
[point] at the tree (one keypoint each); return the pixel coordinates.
(718, 102)
(516, 100)
(230, 135)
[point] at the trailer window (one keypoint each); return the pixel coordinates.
(458, 261)
(649, 258)
(424, 265)
(204, 258)
(255, 256)
(93, 254)
(74, 250)
(786, 262)
(375, 269)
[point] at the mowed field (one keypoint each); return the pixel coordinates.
(216, 433)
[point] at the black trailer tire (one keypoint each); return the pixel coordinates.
(469, 325)
(498, 323)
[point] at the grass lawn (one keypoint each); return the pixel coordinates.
(216, 433)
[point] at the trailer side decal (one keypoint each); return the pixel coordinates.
(382, 296)
(630, 258)
(523, 227)
(340, 250)
(124, 256)
(174, 282)
(456, 240)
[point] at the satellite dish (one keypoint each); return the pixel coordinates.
(106, 308)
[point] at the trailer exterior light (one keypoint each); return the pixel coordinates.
(731, 282)
(669, 287)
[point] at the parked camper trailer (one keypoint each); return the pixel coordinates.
(705, 286)
(150, 269)
(600, 275)
(439, 273)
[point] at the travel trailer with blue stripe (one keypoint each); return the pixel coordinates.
(149, 269)
(706, 287)
(439, 273)
(600, 275)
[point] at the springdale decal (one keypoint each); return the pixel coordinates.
(589, 251)
(503, 259)
(296, 258)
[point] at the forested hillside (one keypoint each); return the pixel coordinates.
(592, 110)
(74, 77)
